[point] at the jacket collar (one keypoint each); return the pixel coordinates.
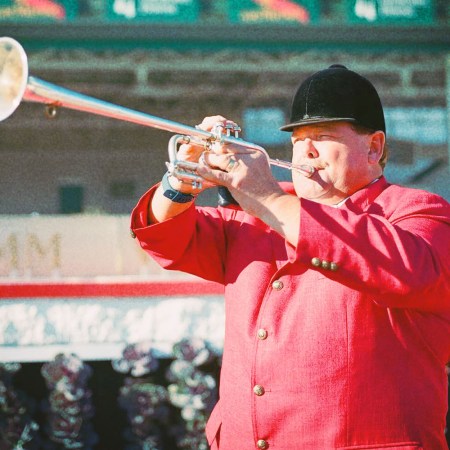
(366, 196)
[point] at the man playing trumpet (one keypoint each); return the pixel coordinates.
(336, 291)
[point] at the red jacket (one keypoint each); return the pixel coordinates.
(339, 343)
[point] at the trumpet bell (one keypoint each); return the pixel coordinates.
(13, 76)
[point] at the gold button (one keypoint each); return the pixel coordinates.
(333, 266)
(258, 390)
(316, 262)
(277, 285)
(325, 265)
(132, 234)
(262, 334)
(262, 444)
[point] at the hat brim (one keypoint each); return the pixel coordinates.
(313, 120)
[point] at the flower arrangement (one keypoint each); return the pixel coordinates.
(157, 414)
(17, 429)
(192, 390)
(166, 401)
(144, 401)
(69, 407)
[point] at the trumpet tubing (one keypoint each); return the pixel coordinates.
(16, 85)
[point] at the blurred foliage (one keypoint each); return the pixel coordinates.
(69, 408)
(18, 430)
(165, 402)
(176, 411)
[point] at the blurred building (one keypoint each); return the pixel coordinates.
(183, 60)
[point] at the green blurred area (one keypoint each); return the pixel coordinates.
(323, 12)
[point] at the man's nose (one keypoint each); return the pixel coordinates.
(307, 148)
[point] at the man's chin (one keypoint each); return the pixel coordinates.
(316, 196)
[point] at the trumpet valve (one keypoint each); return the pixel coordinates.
(228, 129)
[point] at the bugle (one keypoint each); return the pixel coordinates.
(16, 85)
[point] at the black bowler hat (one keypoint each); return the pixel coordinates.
(336, 94)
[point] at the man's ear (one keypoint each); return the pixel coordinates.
(376, 141)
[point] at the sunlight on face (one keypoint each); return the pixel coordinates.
(340, 156)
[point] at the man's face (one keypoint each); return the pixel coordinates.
(340, 156)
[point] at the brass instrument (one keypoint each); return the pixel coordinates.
(16, 86)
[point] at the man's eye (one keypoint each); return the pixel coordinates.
(324, 137)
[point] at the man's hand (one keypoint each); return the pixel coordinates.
(247, 175)
(245, 172)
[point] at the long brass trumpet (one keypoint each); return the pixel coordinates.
(16, 86)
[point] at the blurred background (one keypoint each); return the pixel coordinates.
(78, 297)
(185, 59)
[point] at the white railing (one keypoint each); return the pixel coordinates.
(81, 284)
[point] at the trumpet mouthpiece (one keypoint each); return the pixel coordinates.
(304, 169)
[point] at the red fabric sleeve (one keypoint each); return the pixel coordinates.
(402, 257)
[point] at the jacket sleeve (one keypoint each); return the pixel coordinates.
(192, 242)
(401, 257)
